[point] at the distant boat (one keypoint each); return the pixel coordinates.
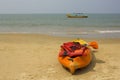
(76, 15)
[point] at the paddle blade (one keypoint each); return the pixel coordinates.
(94, 44)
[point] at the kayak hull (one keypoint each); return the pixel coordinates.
(74, 63)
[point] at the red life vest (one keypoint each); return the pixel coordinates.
(72, 49)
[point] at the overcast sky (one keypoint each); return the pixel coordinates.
(59, 6)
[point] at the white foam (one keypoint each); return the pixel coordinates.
(109, 31)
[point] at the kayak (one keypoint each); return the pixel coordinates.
(76, 54)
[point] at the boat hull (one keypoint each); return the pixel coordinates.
(76, 62)
(77, 16)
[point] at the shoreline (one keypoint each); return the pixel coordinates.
(34, 57)
(107, 35)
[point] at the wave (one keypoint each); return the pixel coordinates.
(108, 31)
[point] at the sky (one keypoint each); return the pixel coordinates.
(59, 6)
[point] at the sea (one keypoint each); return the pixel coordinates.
(95, 26)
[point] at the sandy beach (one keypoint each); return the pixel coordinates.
(34, 57)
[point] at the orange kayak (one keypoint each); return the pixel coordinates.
(76, 62)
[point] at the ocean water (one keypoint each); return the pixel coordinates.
(96, 25)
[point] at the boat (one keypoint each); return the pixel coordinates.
(79, 58)
(76, 15)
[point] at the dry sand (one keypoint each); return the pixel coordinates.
(34, 57)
